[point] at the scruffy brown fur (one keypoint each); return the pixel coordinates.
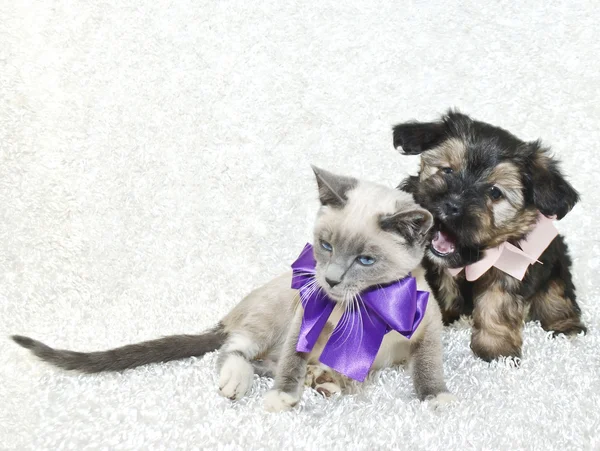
(484, 186)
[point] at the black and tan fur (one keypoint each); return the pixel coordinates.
(484, 186)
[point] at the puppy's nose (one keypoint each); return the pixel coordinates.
(332, 283)
(452, 208)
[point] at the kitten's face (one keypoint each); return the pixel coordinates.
(365, 235)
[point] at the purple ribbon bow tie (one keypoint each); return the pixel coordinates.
(355, 341)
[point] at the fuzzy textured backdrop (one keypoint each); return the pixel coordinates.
(154, 167)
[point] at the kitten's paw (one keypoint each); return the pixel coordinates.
(278, 401)
(441, 399)
(323, 380)
(312, 372)
(328, 389)
(235, 378)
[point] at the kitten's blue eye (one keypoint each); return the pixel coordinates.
(447, 170)
(325, 245)
(365, 260)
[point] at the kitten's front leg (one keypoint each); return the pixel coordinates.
(291, 371)
(427, 366)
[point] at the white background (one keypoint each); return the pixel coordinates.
(154, 168)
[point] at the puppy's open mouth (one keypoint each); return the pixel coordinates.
(443, 242)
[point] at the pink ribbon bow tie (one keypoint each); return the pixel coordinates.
(511, 259)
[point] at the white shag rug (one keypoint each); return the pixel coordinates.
(154, 167)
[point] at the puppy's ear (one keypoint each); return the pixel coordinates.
(552, 193)
(333, 189)
(413, 138)
(413, 225)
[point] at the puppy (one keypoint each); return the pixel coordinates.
(484, 187)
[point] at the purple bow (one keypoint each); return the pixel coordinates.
(356, 339)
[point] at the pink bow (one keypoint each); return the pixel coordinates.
(511, 259)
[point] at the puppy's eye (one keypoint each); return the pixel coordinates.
(325, 245)
(447, 170)
(495, 193)
(365, 260)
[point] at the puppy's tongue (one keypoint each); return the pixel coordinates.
(443, 243)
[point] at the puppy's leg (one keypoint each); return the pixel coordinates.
(426, 366)
(497, 318)
(451, 298)
(446, 291)
(290, 373)
(556, 309)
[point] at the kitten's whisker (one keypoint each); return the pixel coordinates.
(304, 272)
(347, 320)
(308, 290)
(357, 299)
(365, 309)
(341, 323)
(349, 325)
(354, 315)
(341, 326)
(310, 287)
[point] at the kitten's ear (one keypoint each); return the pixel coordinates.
(413, 225)
(333, 189)
(413, 138)
(552, 193)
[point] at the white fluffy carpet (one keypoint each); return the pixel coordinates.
(154, 167)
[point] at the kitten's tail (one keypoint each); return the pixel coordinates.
(161, 350)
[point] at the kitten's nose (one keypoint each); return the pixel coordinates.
(452, 208)
(332, 283)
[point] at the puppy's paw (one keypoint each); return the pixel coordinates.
(235, 378)
(490, 347)
(278, 401)
(572, 331)
(441, 399)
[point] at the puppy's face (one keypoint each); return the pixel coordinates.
(483, 185)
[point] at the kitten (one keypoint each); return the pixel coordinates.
(357, 222)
